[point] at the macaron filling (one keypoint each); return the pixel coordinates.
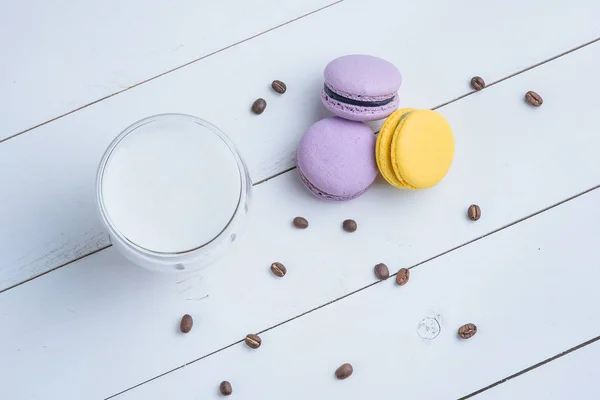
(394, 164)
(354, 102)
(384, 149)
(406, 114)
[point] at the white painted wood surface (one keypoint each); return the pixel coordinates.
(101, 306)
(531, 289)
(100, 325)
(53, 167)
(574, 376)
(61, 55)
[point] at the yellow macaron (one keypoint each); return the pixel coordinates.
(414, 148)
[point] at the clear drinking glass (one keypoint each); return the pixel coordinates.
(148, 144)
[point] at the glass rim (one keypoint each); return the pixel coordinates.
(112, 227)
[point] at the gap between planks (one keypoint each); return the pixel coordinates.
(55, 268)
(171, 70)
(294, 167)
(519, 72)
(526, 370)
(391, 276)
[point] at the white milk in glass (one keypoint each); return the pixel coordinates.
(171, 188)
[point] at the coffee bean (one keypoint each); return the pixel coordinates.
(477, 83)
(278, 269)
(279, 86)
(402, 276)
(225, 388)
(253, 341)
(259, 106)
(467, 331)
(344, 371)
(474, 212)
(186, 323)
(533, 98)
(349, 225)
(381, 271)
(300, 223)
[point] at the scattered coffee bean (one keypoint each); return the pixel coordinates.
(225, 388)
(344, 371)
(382, 272)
(186, 323)
(253, 341)
(300, 223)
(259, 106)
(402, 276)
(349, 225)
(474, 212)
(467, 331)
(279, 86)
(278, 269)
(533, 98)
(477, 83)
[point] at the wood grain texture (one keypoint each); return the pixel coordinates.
(530, 288)
(48, 174)
(60, 55)
(572, 376)
(102, 306)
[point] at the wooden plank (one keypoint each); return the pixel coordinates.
(47, 175)
(61, 55)
(48, 87)
(101, 309)
(573, 376)
(525, 287)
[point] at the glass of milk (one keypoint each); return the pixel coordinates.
(172, 191)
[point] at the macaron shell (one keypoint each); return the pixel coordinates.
(384, 146)
(357, 113)
(336, 158)
(363, 75)
(422, 148)
(324, 196)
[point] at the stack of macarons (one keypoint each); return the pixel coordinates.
(339, 157)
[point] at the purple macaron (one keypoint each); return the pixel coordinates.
(361, 88)
(336, 159)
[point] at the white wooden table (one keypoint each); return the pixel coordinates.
(77, 321)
